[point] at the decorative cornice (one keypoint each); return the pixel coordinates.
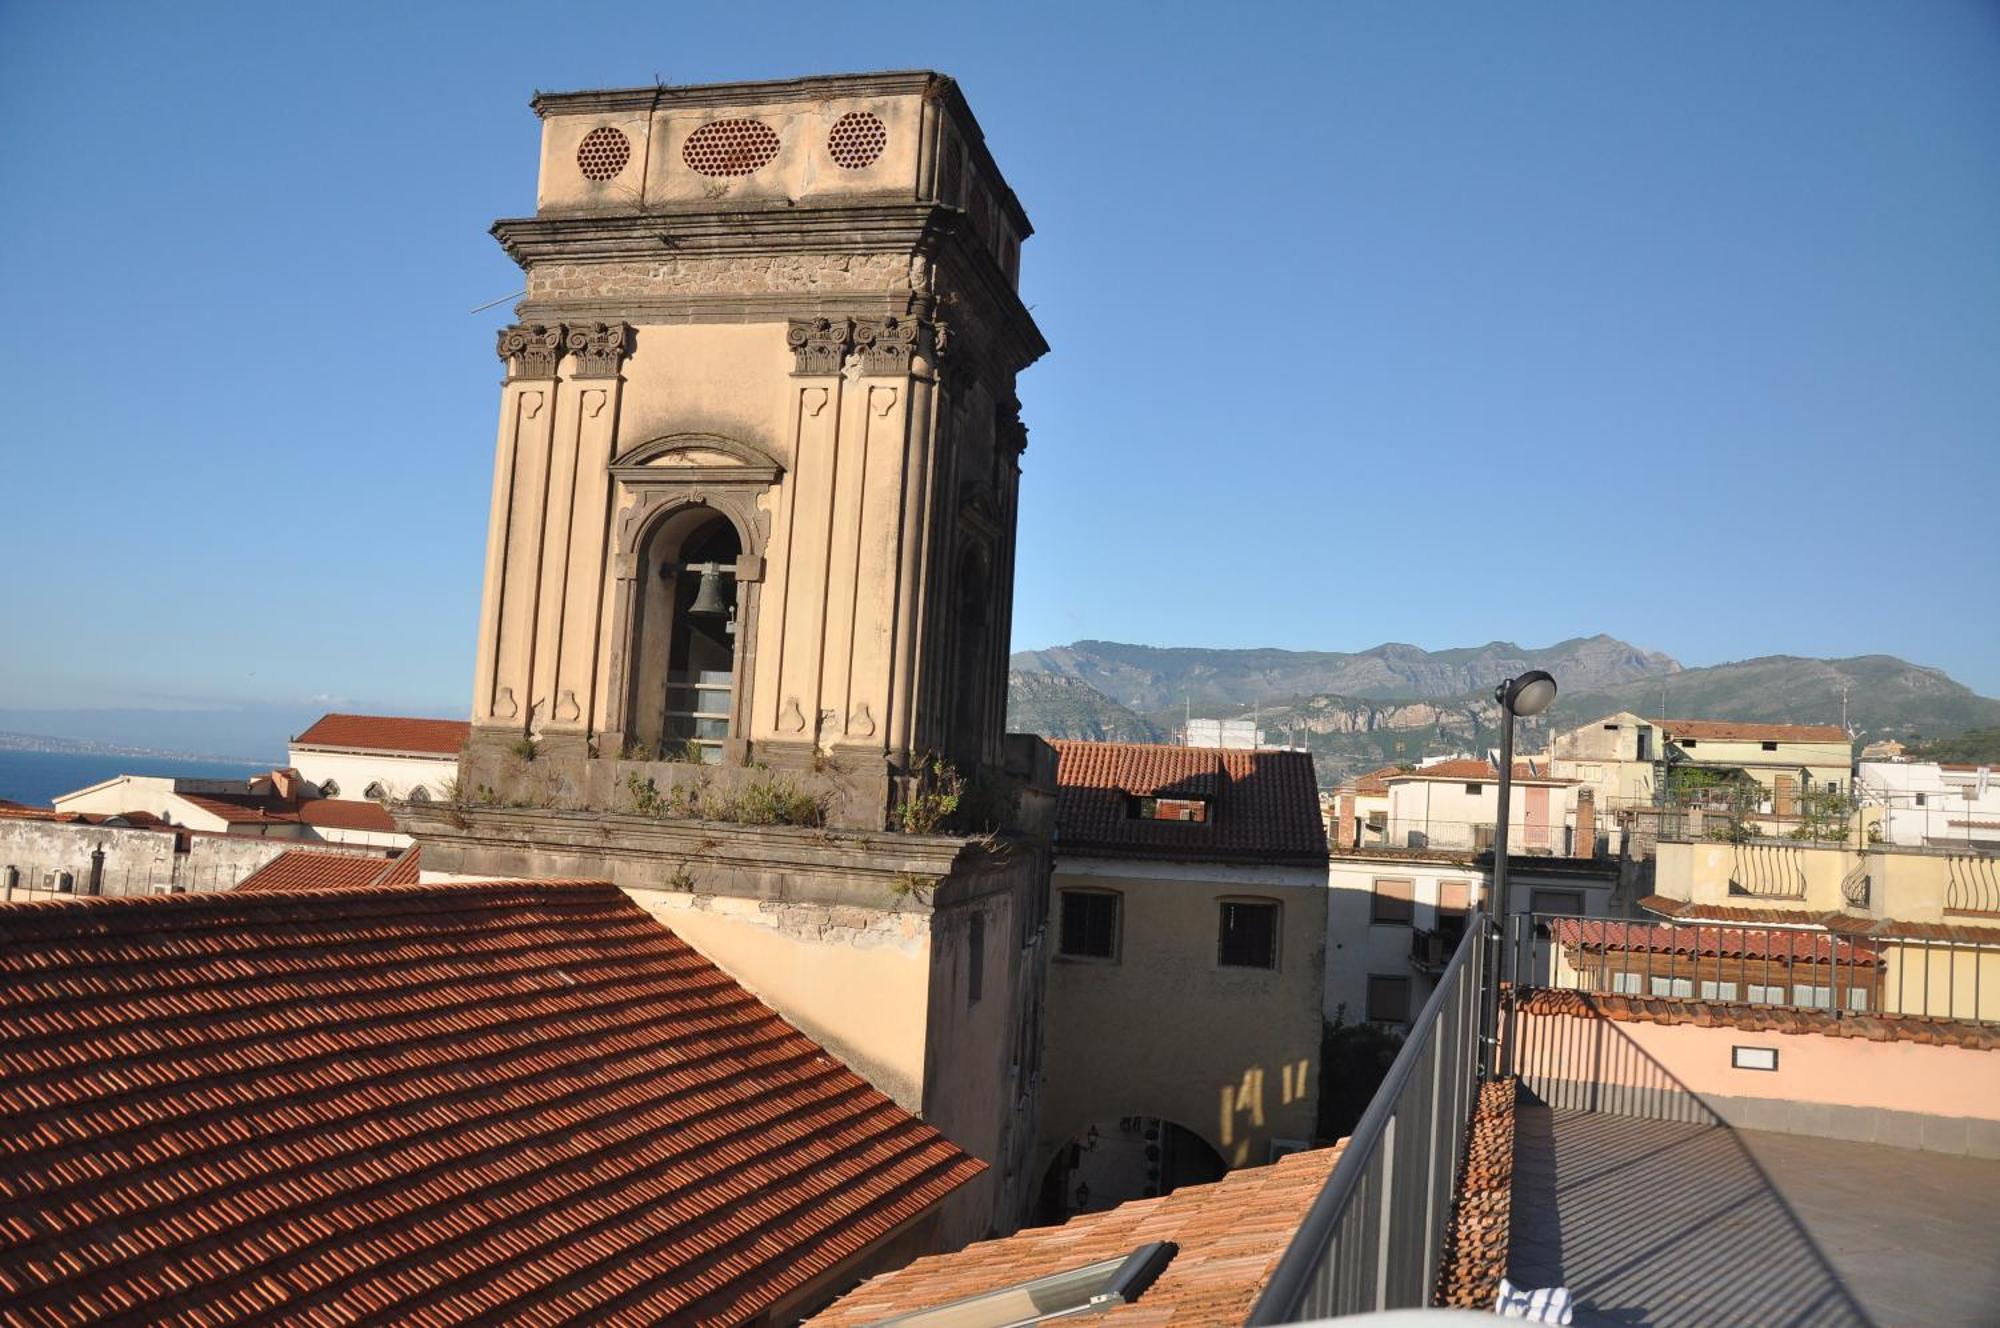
(887, 345)
(819, 345)
(768, 92)
(599, 348)
(530, 350)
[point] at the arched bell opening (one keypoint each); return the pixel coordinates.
(686, 636)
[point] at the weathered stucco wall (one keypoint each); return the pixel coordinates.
(134, 860)
(1231, 1054)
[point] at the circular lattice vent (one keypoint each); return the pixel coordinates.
(856, 140)
(603, 153)
(730, 147)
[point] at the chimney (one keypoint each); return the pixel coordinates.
(1343, 836)
(1586, 824)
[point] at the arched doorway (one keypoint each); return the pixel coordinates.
(1130, 1157)
(684, 636)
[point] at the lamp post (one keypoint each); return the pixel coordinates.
(1530, 694)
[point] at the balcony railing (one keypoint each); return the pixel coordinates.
(1786, 967)
(1374, 1235)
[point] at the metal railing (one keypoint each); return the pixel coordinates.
(1750, 964)
(1373, 1236)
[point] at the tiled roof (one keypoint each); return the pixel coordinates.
(387, 733)
(242, 808)
(304, 869)
(1763, 1018)
(1845, 923)
(1730, 730)
(516, 1102)
(1230, 1235)
(1374, 782)
(1775, 943)
(1264, 806)
(407, 869)
(347, 814)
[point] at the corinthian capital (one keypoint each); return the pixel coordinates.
(530, 351)
(887, 344)
(599, 348)
(819, 345)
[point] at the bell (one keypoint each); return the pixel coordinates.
(708, 600)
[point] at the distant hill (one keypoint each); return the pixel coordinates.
(1151, 678)
(1060, 707)
(1356, 729)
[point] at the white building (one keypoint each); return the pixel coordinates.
(1456, 805)
(1925, 804)
(278, 805)
(383, 757)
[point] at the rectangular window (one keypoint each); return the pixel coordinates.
(1626, 984)
(1687, 742)
(1718, 991)
(1454, 897)
(1770, 746)
(1089, 924)
(1815, 998)
(1920, 800)
(975, 970)
(1761, 995)
(1248, 935)
(1673, 987)
(1171, 809)
(1474, 790)
(1555, 901)
(1388, 999)
(1394, 903)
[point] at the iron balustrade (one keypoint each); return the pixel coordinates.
(1845, 973)
(1375, 1233)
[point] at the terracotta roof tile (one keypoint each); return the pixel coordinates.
(1472, 771)
(1230, 1235)
(1845, 923)
(1753, 942)
(347, 814)
(306, 869)
(522, 1101)
(1723, 730)
(1264, 806)
(1761, 1018)
(388, 733)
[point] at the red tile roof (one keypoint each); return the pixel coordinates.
(1374, 781)
(304, 869)
(388, 733)
(1230, 1235)
(1847, 923)
(1263, 806)
(406, 869)
(346, 814)
(1730, 730)
(1473, 771)
(1776, 943)
(523, 1102)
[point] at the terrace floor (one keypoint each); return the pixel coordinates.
(1669, 1224)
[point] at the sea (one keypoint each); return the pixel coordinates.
(37, 777)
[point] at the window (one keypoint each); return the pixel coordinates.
(1816, 998)
(1474, 790)
(1249, 935)
(1687, 742)
(1770, 746)
(1626, 984)
(1718, 991)
(375, 791)
(1673, 987)
(1388, 999)
(1920, 800)
(1555, 901)
(1171, 809)
(1393, 903)
(1090, 924)
(975, 959)
(1857, 998)
(1760, 995)
(331, 789)
(1610, 728)
(420, 794)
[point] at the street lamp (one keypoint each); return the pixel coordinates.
(1530, 694)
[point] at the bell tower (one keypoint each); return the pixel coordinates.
(754, 489)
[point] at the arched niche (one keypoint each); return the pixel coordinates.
(685, 499)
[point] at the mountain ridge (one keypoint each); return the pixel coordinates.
(1109, 686)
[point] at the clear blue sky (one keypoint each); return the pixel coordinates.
(1437, 323)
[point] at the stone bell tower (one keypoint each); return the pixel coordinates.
(754, 493)
(749, 576)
